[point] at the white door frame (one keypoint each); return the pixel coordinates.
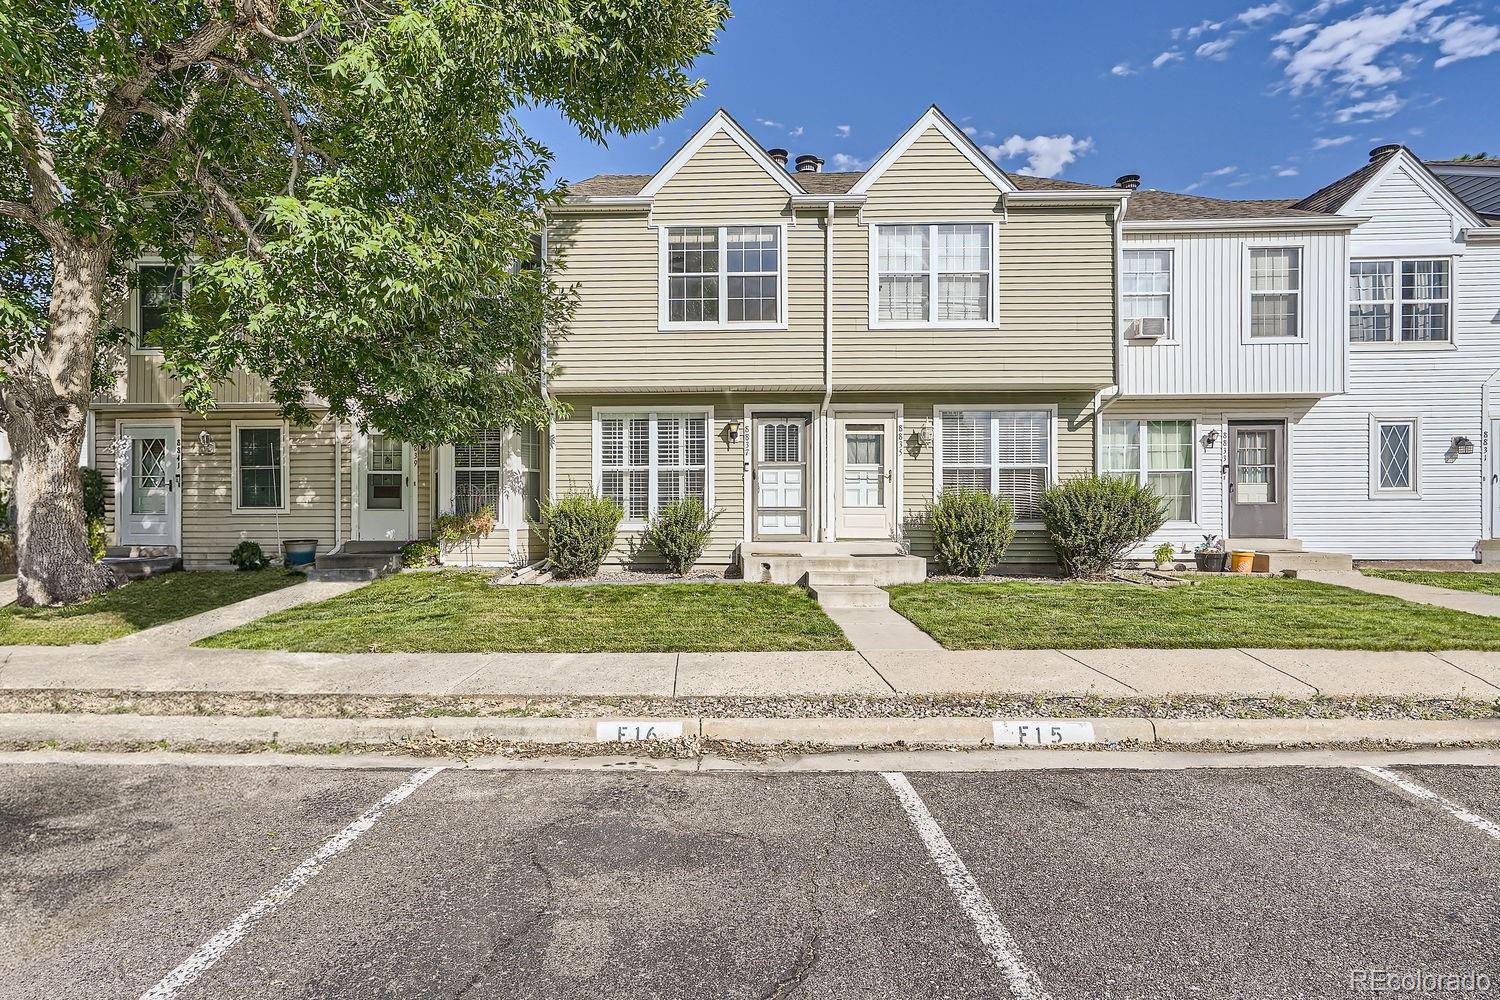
(814, 457)
(896, 413)
(357, 463)
(123, 474)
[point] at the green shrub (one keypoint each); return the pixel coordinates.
(422, 552)
(1095, 520)
(579, 532)
(1164, 552)
(679, 532)
(970, 530)
(93, 493)
(98, 544)
(248, 555)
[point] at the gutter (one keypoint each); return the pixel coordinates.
(542, 359)
(827, 357)
(1243, 225)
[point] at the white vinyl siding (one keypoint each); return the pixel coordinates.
(934, 274)
(260, 467)
(722, 276)
(1154, 453)
(1146, 283)
(1005, 452)
(643, 460)
(1275, 293)
(1410, 301)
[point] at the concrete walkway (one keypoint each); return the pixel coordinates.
(880, 630)
(186, 631)
(1297, 674)
(8, 591)
(1418, 593)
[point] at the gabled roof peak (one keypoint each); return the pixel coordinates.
(933, 118)
(721, 121)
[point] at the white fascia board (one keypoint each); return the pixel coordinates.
(1242, 225)
(817, 200)
(933, 118)
(720, 122)
(1103, 196)
(1425, 179)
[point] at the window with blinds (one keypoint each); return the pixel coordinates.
(933, 274)
(478, 472)
(648, 459)
(1005, 452)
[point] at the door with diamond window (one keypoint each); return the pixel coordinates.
(148, 492)
(1257, 479)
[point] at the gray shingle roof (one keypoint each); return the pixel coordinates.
(1336, 195)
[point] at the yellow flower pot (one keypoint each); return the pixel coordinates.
(1242, 562)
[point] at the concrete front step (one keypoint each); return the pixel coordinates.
(140, 568)
(1259, 545)
(843, 596)
(876, 547)
(365, 562)
(1489, 550)
(1291, 563)
(873, 570)
(347, 575)
(140, 551)
(840, 578)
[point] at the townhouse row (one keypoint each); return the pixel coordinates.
(818, 354)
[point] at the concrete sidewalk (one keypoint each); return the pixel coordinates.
(186, 631)
(1474, 603)
(1296, 674)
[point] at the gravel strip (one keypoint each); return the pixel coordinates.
(988, 707)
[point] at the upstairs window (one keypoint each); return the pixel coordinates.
(158, 292)
(1004, 452)
(1147, 286)
(647, 459)
(934, 275)
(1407, 301)
(723, 276)
(1275, 293)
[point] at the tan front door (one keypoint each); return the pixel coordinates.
(865, 500)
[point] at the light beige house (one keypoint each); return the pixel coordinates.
(815, 354)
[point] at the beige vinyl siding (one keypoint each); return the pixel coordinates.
(210, 529)
(145, 382)
(721, 184)
(930, 180)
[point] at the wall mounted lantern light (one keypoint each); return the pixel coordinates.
(1463, 446)
(206, 444)
(1210, 439)
(732, 431)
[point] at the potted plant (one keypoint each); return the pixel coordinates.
(1209, 554)
(297, 552)
(1163, 554)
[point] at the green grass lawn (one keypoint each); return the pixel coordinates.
(135, 606)
(1216, 613)
(1479, 583)
(455, 612)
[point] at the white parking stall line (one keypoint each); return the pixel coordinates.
(1401, 781)
(1025, 984)
(215, 947)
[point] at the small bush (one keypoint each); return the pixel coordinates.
(970, 530)
(93, 493)
(579, 532)
(248, 555)
(680, 531)
(422, 552)
(98, 543)
(1095, 520)
(1164, 552)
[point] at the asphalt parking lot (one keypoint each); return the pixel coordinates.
(1092, 884)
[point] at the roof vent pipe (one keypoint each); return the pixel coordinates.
(1381, 152)
(809, 164)
(779, 155)
(1128, 181)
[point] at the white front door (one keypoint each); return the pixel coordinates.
(149, 492)
(780, 477)
(384, 485)
(865, 501)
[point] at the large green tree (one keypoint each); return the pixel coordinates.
(348, 180)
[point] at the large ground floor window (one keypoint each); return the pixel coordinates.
(484, 475)
(1156, 453)
(1005, 452)
(647, 459)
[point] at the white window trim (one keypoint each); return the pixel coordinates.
(234, 466)
(937, 443)
(601, 412)
(1396, 343)
(1141, 422)
(133, 303)
(663, 283)
(1249, 297)
(876, 323)
(1171, 252)
(1377, 492)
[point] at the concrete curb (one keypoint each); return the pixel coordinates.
(87, 729)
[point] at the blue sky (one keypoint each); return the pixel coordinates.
(1235, 100)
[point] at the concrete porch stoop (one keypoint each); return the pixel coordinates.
(1285, 556)
(355, 562)
(136, 562)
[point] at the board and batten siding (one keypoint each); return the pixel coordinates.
(1209, 352)
(1400, 211)
(1443, 388)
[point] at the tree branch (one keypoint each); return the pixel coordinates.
(36, 155)
(265, 32)
(226, 204)
(264, 86)
(19, 210)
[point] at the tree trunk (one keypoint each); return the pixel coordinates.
(46, 410)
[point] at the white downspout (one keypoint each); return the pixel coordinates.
(338, 483)
(826, 436)
(551, 430)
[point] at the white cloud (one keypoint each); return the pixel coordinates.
(1046, 155)
(1369, 111)
(661, 141)
(1322, 142)
(1350, 51)
(843, 131)
(1211, 175)
(1463, 38)
(843, 161)
(795, 132)
(1122, 69)
(768, 123)
(1262, 12)
(1172, 55)
(1203, 27)
(1294, 35)
(1216, 49)
(1287, 172)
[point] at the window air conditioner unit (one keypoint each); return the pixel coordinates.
(1149, 328)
